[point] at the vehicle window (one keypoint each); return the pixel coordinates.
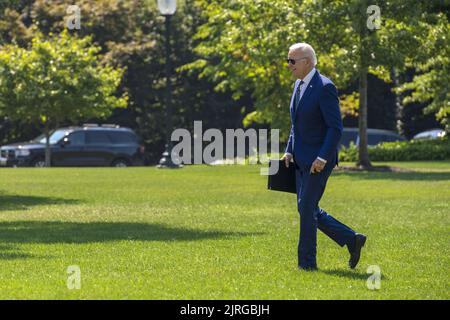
(122, 137)
(374, 139)
(39, 138)
(76, 138)
(54, 137)
(97, 137)
(388, 138)
(392, 137)
(348, 137)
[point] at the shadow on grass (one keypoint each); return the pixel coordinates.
(8, 252)
(49, 232)
(407, 176)
(20, 202)
(352, 274)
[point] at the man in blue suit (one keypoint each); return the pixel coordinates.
(313, 147)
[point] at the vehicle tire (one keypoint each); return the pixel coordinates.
(120, 163)
(38, 163)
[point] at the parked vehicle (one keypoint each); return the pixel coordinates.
(374, 136)
(430, 134)
(89, 145)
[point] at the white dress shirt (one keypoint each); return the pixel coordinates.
(306, 81)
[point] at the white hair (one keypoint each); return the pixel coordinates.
(306, 48)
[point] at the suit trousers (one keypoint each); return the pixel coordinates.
(310, 188)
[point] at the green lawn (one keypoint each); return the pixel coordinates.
(216, 233)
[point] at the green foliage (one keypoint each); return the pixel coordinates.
(414, 150)
(349, 104)
(56, 80)
(243, 47)
(349, 154)
(131, 35)
(244, 44)
(430, 85)
(12, 26)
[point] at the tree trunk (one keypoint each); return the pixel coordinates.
(47, 147)
(363, 161)
(400, 114)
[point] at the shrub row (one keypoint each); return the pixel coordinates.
(414, 150)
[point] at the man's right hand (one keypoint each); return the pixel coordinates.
(287, 157)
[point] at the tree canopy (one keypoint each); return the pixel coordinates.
(237, 49)
(244, 44)
(59, 79)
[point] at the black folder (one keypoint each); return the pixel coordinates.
(284, 179)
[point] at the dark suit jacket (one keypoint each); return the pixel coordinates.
(316, 123)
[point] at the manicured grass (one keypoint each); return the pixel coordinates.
(216, 233)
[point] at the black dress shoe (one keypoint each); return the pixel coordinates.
(355, 251)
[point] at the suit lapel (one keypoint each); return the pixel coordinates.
(307, 92)
(292, 106)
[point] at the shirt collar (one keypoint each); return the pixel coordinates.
(308, 77)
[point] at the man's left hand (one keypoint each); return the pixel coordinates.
(317, 166)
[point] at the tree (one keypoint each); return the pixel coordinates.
(244, 44)
(57, 80)
(431, 82)
(131, 35)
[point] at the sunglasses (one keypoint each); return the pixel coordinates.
(292, 61)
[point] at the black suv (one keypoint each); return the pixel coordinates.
(90, 145)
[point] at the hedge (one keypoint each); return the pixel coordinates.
(414, 150)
